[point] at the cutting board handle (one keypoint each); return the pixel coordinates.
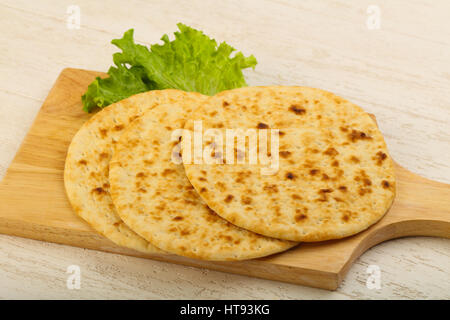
(421, 208)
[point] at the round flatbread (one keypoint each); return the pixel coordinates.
(154, 197)
(333, 176)
(87, 164)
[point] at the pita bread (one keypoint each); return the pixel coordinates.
(154, 197)
(87, 164)
(335, 177)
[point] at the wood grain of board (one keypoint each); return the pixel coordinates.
(33, 203)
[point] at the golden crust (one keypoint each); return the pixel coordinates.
(87, 164)
(154, 197)
(335, 175)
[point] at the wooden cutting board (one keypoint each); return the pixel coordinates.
(33, 203)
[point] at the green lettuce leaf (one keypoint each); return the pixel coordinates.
(191, 62)
(121, 83)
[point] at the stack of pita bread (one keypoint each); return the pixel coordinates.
(334, 176)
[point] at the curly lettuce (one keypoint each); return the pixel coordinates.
(190, 62)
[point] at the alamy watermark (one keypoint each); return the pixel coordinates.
(374, 279)
(373, 21)
(74, 279)
(227, 146)
(73, 21)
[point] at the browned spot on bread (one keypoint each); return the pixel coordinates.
(212, 218)
(354, 159)
(385, 184)
(103, 132)
(242, 175)
(343, 129)
(237, 241)
(148, 162)
(363, 179)
(82, 162)
(290, 176)
(300, 217)
(362, 191)
(141, 175)
(228, 198)
(356, 135)
(156, 142)
(262, 126)
(323, 194)
(178, 218)
(118, 127)
(169, 128)
(203, 190)
(348, 215)
(142, 190)
(343, 188)
(103, 155)
(246, 200)
(335, 163)
(133, 142)
(225, 104)
(212, 114)
(201, 179)
(296, 197)
(338, 199)
(298, 110)
(380, 157)
(270, 188)
(161, 206)
(185, 232)
(106, 185)
(186, 201)
(203, 172)
(331, 152)
(308, 164)
(325, 177)
(132, 118)
(221, 186)
(281, 133)
(313, 172)
(226, 237)
(167, 172)
(98, 191)
(285, 154)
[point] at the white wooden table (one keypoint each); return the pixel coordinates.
(397, 67)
